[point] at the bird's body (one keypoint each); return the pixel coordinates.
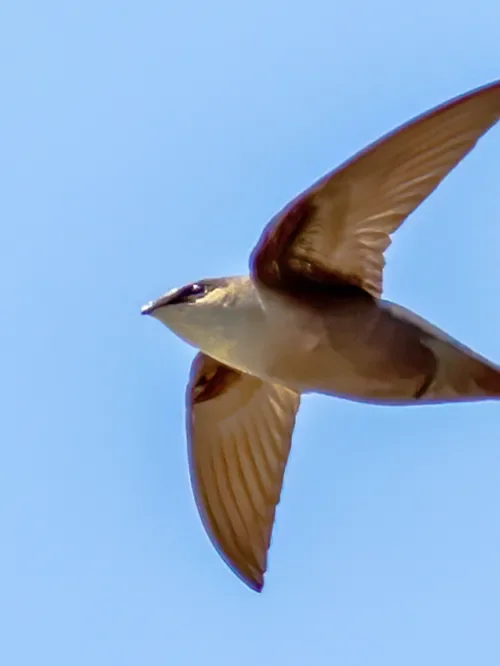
(310, 318)
(351, 346)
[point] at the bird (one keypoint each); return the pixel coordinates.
(310, 318)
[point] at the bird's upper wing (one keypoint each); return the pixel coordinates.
(338, 230)
(239, 434)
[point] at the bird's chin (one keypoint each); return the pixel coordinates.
(175, 319)
(170, 316)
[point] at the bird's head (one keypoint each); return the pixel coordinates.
(198, 311)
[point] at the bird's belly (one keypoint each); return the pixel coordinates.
(336, 374)
(369, 358)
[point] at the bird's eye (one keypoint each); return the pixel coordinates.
(197, 290)
(187, 294)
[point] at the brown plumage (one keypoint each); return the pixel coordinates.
(310, 318)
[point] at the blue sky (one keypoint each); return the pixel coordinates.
(145, 145)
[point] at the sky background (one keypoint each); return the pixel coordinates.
(143, 146)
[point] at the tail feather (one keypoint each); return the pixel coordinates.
(462, 375)
(488, 380)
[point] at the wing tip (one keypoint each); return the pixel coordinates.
(252, 579)
(255, 585)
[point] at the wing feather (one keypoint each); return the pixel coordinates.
(339, 229)
(239, 437)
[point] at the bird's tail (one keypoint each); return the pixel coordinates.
(488, 380)
(465, 376)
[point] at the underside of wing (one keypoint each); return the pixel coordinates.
(337, 231)
(239, 436)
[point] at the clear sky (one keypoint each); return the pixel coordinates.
(145, 145)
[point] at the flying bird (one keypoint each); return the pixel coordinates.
(310, 318)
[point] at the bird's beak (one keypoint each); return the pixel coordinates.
(148, 308)
(167, 298)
